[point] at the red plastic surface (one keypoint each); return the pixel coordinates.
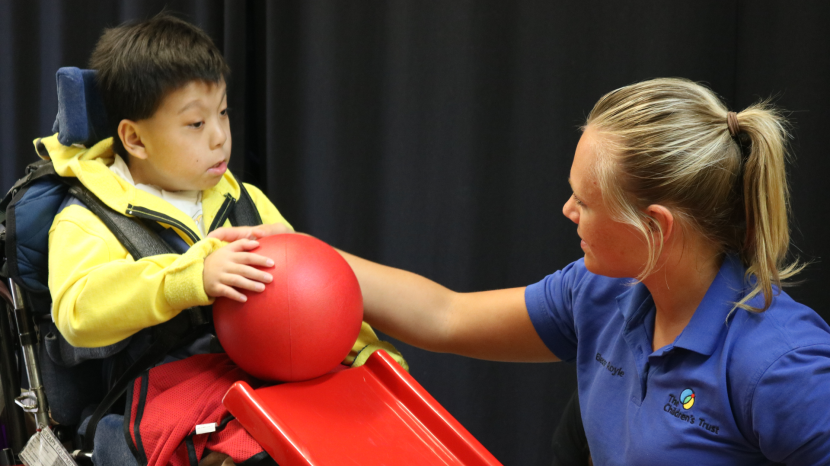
(372, 415)
(304, 322)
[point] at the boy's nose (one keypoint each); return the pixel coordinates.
(219, 136)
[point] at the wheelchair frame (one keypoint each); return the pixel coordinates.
(18, 351)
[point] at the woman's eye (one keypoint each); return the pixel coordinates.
(224, 112)
(578, 202)
(197, 125)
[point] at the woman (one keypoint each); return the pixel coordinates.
(701, 359)
(687, 351)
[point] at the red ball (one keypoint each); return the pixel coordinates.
(305, 321)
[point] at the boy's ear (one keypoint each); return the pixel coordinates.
(130, 134)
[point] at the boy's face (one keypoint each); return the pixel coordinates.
(186, 144)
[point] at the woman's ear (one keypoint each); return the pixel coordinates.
(130, 134)
(662, 216)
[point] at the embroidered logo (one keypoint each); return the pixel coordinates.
(686, 401)
(687, 397)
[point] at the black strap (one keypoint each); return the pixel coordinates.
(140, 241)
(224, 211)
(244, 212)
(136, 238)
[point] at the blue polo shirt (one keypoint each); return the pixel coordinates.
(734, 388)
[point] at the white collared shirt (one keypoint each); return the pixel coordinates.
(189, 202)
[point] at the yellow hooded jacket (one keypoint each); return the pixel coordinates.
(100, 294)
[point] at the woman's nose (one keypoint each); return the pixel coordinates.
(569, 210)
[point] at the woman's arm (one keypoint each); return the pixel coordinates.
(490, 325)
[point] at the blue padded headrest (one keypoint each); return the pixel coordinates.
(81, 118)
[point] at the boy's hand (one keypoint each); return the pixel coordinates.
(230, 268)
(231, 234)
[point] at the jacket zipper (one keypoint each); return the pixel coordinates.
(142, 212)
(224, 212)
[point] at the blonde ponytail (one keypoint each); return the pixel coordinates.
(763, 136)
(672, 142)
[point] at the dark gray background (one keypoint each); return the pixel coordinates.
(437, 136)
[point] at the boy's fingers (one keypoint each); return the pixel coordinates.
(240, 282)
(231, 293)
(226, 234)
(252, 273)
(231, 234)
(258, 232)
(251, 258)
(223, 291)
(243, 245)
(271, 229)
(218, 233)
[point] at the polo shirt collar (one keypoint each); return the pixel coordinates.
(703, 332)
(634, 304)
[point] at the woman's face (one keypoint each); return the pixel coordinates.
(611, 248)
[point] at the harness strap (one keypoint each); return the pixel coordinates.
(244, 212)
(136, 238)
(140, 241)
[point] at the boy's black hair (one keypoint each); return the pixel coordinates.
(139, 63)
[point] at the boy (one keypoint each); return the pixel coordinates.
(163, 84)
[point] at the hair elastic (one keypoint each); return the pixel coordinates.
(732, 123)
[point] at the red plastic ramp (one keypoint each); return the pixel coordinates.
(373, 415)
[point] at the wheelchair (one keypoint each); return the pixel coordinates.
(61, 393)
(74, 393)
